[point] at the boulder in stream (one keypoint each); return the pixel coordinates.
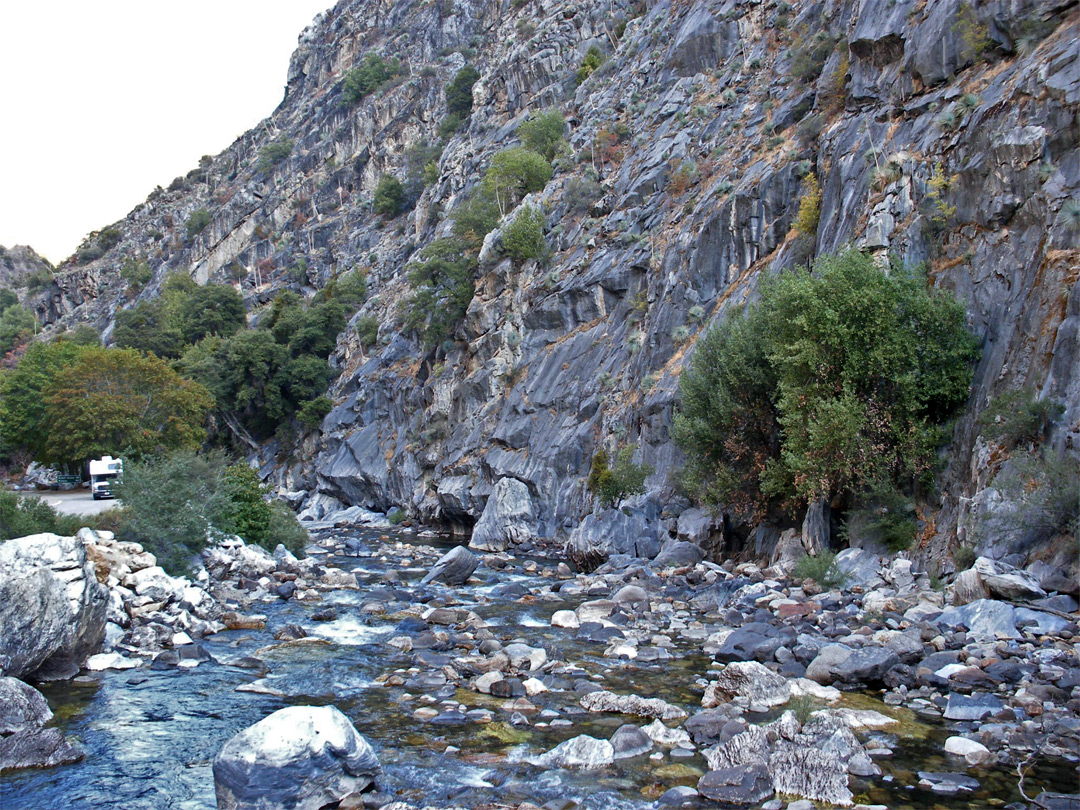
(300, 757)
(454, 567)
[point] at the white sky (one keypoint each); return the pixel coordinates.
(102, 100)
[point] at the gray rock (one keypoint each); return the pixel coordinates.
(678, 553)
(971, 707)
(756, 641)
(748, 679)
(604, 701)
(301, 757)
(968, 587)
(696, 526)
(579, 752)
(861, 566)
(838, 662)
(630, 741)
(52, 607)
(948, 783)
(789, 550)
(677, 796)
(984, 619)
(509, 518)
(21, 707)
(454, 567)
(815, 528)
(748, 747)
(1006, 582)
(743, 784)
(37, 748)
(600, 535)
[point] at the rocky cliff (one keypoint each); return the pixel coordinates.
(943, 133)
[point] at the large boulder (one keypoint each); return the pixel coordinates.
(21, 707)
(838, 662)
(508, 517)
(453, 568)
(984, 619)
(1006, 582)
(301, 758)
(612, 531)
(24, 743)
(582, 751)
(52, 607)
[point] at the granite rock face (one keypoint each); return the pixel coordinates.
(52, 607)
(554, 360)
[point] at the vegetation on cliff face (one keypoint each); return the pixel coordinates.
(835, 384)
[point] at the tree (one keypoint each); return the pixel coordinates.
(148, 327)
(22, 393)
(834, 385)
(213, 309)
(442, 283)
(17, 325)
(121, 402)
(373, 73)
(513, 173)
(240, 506)
(543, 133)
(459, 98)
(390, 197)
(610, 484)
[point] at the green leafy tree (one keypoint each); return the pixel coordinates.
(459, 98)
(240, 505)
(837, 382)
(513, 173)
(523, 238)
(149, 327)
(21, 516)
(610, 484)
(213, 309)
(543, 133)
(22, 393)
(198, 221)
(390, 199)
(119, 401)
(17, 325)
(594, 58)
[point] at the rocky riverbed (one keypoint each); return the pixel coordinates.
(520, 681)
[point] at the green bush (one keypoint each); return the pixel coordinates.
(390, 197)
(512, 174)
(610, 484)
(373, 73)
(964, 557)
(523, 238)
(835, 383)
(136, 272)
(594, 58)
(459, 98)
(1040, 489)
(884, 515)
(197, 222)
(240, 505)
(543, 133)
(367, 331)
(581, 193)
(22, 515)
(17, 325)
(274, 153)
(822, 569)
(442, 288)
(313, 411)
(809, 55)
(396, 516)
(1019, 417)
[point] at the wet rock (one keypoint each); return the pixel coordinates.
(756, 641)
(37, 748)
(113, 660)
(678, 796)
(743, 784)
(948, 783)
(509, 518)
(974, 753)
(565, 618)
(747, 679)
(21, 707)
(579, 752)
(290, 632)
(630, 741)
(52, 607)
(238, 621)
(302, 757)
(972, 707)
(604, 701)
(454, 567)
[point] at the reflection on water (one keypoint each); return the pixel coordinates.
(151, 736)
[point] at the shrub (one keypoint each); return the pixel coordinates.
(313, 411)
(274, 153)
(1041, 495)
(197, 222)
(594, 57)
(886, 516)
(24, 515)
(964, 557)
(389, 197)
(580, 193)
(240, 506)
(459, 98)
(806, 220)
(543, 133)
(367, 331)
(373, 73)
(442, 288)
(809, 55)
(396, 516)
(1019, 417)
(611, 484)
(136, 272)
(836, 382)
(822, 569)
(17, 325)
(523, 238)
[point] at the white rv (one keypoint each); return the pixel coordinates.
(103, 471)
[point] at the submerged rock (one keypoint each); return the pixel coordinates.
(743, 784)
(301, 757)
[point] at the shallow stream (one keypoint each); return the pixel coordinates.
(151, 736)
